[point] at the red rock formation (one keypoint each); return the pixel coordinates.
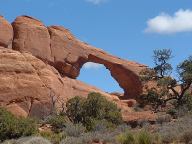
(25, 82)
(32, 36)
(6, 33)
(67, 54)
(28, 84)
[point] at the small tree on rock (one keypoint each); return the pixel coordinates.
(167, 85)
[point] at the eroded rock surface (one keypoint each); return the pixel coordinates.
(27, 85)
(32, 36)
(6, 33)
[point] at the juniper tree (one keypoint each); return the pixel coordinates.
(169, 88)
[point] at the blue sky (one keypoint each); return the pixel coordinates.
(130, 29)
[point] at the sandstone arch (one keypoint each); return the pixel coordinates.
(57, 46)
(99, 76)
(127, 80)
(25, 80)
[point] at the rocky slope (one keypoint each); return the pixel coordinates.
(39, 64)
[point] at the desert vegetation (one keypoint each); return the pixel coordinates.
(92, 120)
(168, 88)
(95, 120)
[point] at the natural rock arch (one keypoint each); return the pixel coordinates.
(58, 47)
(26, 81)
(127, 79)
(99, 76)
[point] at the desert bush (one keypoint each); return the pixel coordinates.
(126, 138)
(75, 109)
(156, 139)
(186, 137)
(142, 123)
(84, 138)
(28, 140)
(185, 105)
(95, 136)
(73, 140)
(104, 137)
(12, 127)
(163, 118)
(143, 137)
(177, 131)
(99, 107)
(98, 125)
(74, 130)
(54, 138)
(138, 137)
(123, 128)
(33, 140)
(172, 112)
(182, 111)
(89, 111)
(57, 122)
(9, 142)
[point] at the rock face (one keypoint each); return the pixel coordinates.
(6, 33)
(27, 85)
(61, 49)
(39, 66)
(32, 36)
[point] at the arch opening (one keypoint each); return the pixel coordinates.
(98, 75)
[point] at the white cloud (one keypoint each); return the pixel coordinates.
(96, 2)
(91, 65)
(181, 21)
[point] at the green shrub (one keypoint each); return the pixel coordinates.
(92, 124)
(187, 101)
(74, 130)
(9, 142)
(144, 137)
(163, 118)
(54, 138)
(153, 98)
(57, 122)
(75, 110)
(95, 107)
(99, 107)
(72, 140)
(177, 131)
(91, 137)
(102, 125)
(126, 138)
(32, 140)
(186, 137)
(12, 127)
(172, 112)
(28, 140)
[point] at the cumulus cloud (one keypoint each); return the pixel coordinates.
(91, 65)
(96, 2)
(181, 21)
